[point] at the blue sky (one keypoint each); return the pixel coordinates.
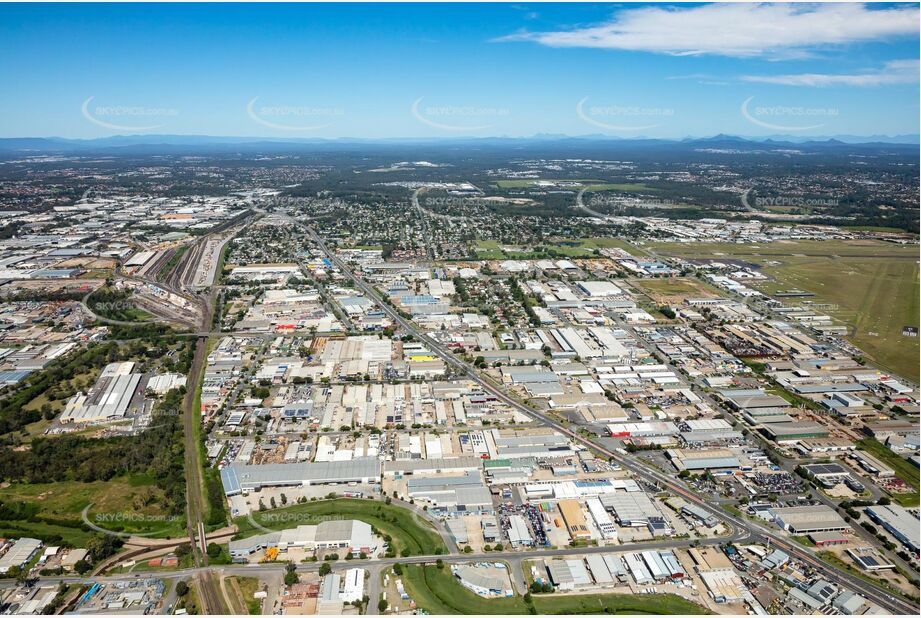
(447, 70)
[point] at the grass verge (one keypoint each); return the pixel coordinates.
(438, 592)
(407, 531)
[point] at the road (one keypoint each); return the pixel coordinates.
(751, 531)
(260, 569)
(426, 226)
(740, 529)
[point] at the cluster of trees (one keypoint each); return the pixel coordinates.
(114, 304)
(519, 295)
(13, 413)
(157, 451)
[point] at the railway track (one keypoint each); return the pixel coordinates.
(209, 594)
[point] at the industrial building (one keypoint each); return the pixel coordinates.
(869, 558)
(794, 431)
(899, 523)
(568, 574)
(694, 460)
(806, 519)
(108, 399)
(630, 509)
(716, 571)
(243, 478)
(351, 534)
(452, 494)
(490, 581)
(518, 532)
(19, 554)
(574, 519)
(602, 520)
(353, 587)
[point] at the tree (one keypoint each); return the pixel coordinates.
(182, 589)
(382, 605)
(82, 567)
(440, 563)
(291, 577)
(325, 569)
(214, 550)
(398, 569)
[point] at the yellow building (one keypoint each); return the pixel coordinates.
(574, 519)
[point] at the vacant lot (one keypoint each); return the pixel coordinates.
(871, 286)
(127, 504)
(438, 592)
(674, 289)
(408, 531)
(902, 468)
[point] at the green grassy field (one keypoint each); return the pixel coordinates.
(579, 248)
(438, 592)
(872, 285)
(407, 530)
(246, 587)
(659, 604)
(126, 504)
(610, 243)
(675, 288)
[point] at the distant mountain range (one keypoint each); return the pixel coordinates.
(151, 144)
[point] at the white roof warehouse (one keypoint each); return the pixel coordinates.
(240, 478)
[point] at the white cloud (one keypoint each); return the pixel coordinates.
(895, 72)
(738, 30)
